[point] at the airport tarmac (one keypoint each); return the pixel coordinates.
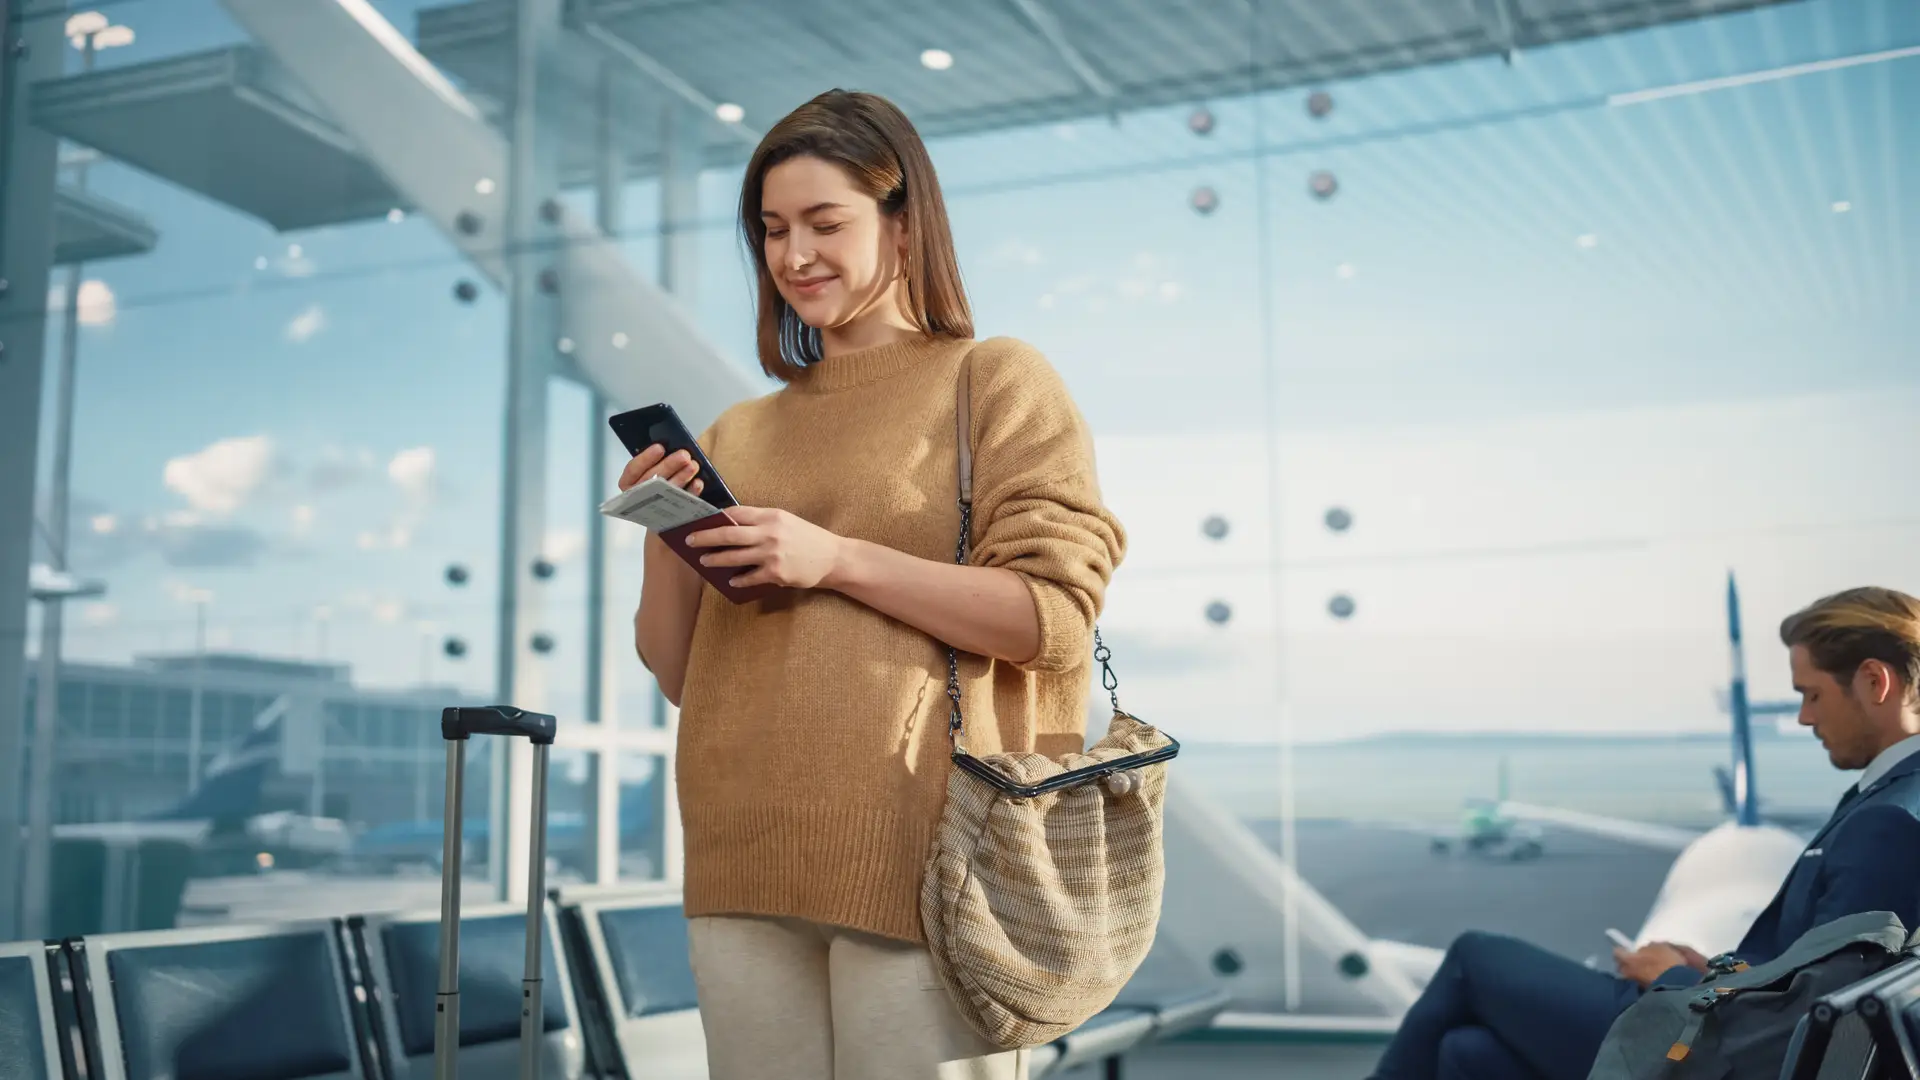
(1388, 881)
(1384, 878)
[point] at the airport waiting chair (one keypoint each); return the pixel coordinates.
(635, 981)
(399, 956)
(1867, 1031)
(29, 1031)
(218, 1003)
(1134, 1020)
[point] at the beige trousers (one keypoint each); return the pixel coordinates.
(795, 1000)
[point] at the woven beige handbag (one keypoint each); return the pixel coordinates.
(1043, 890)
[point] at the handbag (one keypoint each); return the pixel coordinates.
(1043, 889)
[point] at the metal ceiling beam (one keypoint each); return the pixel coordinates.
(631, 55)
(624, 335)
(1047, 24)
(1501, 24)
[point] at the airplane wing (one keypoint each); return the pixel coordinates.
(1416, 963)
(1658, 837)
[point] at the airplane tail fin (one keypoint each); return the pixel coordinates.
(1723, 779)
(235, 780)
(1743, 800)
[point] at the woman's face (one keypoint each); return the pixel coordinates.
(834, 256)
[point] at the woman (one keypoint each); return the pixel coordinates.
(813, 752)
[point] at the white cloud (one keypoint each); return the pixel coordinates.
(393, 538)
(1015, 253)
(223, 476)
(99, 613)
(182, 593)
(98, 306)
(306, 324)
(302, 518)
(105, 524)
(389, 611)
(412, 471)
(563, 545)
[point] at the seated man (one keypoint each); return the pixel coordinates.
(1501, 1009)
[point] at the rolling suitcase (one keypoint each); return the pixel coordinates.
(456, 726)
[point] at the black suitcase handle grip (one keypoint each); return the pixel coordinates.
(459, 723)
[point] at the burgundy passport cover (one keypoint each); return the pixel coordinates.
(717, 576)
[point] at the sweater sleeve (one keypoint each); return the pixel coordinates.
(1036, 498)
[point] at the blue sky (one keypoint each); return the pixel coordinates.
(1566, 361)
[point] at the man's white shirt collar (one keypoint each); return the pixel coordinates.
(1880, 766)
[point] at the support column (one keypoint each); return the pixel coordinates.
(534, 244)
(603, 810)
(28, 160)
(683, 155)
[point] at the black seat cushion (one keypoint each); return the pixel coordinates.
(493, 960)
(270, 1008)
(648, 949)
(20, 1018)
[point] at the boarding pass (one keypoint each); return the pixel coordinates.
(658, 505)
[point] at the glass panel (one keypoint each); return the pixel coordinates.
(1558, 363)
(571, 799)
(643, 791)
(1437, 404)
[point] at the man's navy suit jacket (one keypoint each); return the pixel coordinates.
(1865, 858)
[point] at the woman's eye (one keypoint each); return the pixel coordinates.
(829, 227)
(776, 234)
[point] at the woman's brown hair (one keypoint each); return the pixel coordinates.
(876, 145)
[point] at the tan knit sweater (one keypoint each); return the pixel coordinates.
(813, 746)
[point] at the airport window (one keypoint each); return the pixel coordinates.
(642, 822)
(1445, 388)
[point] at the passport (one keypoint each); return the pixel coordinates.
(675, 515)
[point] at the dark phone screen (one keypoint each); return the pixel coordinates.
(659, 424)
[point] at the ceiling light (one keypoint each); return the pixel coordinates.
(729, 113)
(396, 215)
(1842, 206)
(936, 59)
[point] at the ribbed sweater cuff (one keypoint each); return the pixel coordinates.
(857, 867)
(1065, 639)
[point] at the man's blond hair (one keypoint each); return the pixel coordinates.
(1843, 631)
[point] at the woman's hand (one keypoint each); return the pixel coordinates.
(784, 549)
(679, 468)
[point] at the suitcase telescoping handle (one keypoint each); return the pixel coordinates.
(456, 725)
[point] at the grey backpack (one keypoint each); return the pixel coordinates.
(1737, 1022)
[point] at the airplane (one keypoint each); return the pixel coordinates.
(229, 820)
(1721, 879)
(393, 845)
(1487, 829)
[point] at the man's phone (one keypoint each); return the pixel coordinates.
(1620, 939)
(660, 425)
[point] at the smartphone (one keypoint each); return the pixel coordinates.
(1620, 939)
(660, 425)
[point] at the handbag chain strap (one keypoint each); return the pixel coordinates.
(963, 424)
